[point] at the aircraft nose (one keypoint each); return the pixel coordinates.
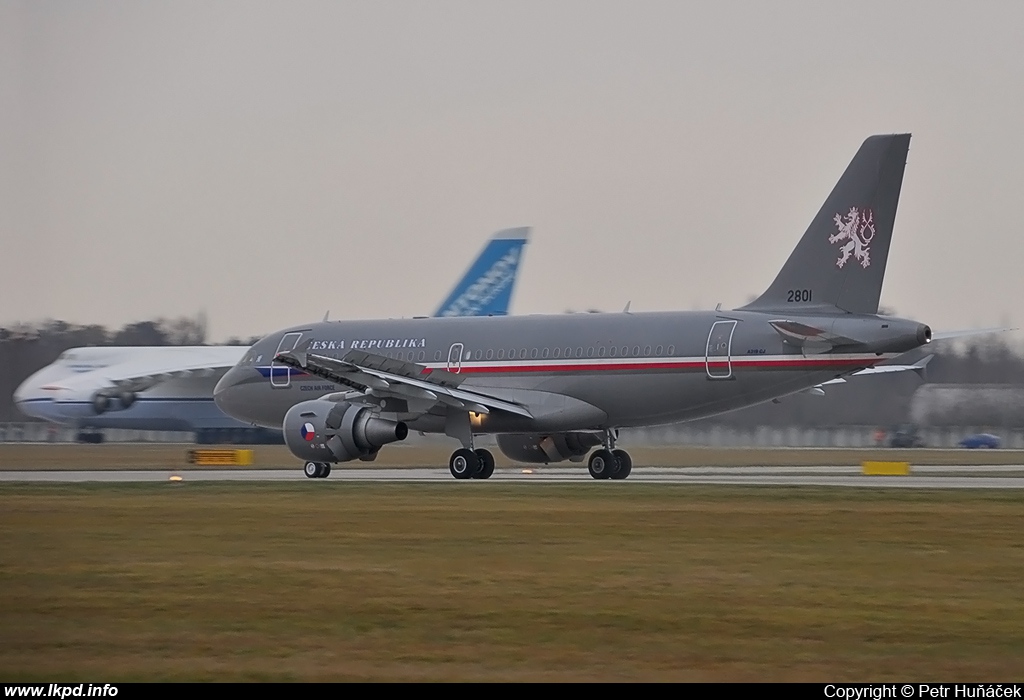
(227, 393)
(22, 400)
(20, 397)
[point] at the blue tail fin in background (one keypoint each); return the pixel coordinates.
(486, 289)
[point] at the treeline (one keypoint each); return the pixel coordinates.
(882, 400)
(27, 348)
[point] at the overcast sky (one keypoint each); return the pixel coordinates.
(267, 162)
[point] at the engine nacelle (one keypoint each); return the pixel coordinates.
(103, 401)
(126, 399)
(543, 449)
(100, 403)
(328, 431)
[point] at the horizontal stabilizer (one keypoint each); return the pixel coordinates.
(946, 335)
(918, 368)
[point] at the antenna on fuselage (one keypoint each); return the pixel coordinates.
(326, 314)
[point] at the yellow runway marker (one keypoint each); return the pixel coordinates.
(220, 457)
(886, 468)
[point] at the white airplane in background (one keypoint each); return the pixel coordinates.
(171, 387)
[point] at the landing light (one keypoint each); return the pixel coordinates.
(175, 478)
(527, 471)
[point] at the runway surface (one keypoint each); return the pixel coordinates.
(926, 477)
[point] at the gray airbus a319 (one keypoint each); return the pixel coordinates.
(554, 387)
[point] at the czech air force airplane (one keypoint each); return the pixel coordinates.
(553, 387)
(171, 387)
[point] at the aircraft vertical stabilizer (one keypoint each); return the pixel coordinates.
(486, 290)
(840, 261)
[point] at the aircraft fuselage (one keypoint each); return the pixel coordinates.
(580, 371)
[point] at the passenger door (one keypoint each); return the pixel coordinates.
(718, 359)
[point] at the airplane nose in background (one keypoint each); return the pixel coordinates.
(21, 401)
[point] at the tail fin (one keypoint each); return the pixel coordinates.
(840, 261)
(486, 289)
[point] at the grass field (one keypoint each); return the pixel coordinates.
(15, 456)
(604, 581)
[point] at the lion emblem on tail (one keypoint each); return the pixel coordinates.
(857, 228)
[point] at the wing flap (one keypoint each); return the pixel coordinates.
(146, 370)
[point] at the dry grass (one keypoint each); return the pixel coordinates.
(15, 456)
(604, 581)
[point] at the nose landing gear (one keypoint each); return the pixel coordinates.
(317, 470)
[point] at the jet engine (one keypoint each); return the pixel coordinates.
(543, 449)
(328, 431)
(102, 401)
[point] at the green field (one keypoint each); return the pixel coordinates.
(477, 581)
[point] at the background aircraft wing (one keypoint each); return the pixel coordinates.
(382, 376)
(145, 371)
(486, 288)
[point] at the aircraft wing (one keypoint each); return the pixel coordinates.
(147, 370)
(382, 376)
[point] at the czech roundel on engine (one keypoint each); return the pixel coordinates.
(308, 432)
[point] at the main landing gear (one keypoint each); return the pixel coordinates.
(471, 464)
(317, 470)
(608, 462)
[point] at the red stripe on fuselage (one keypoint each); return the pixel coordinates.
(801, 363)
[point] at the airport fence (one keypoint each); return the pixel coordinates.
(701, 435)
(46, 432)
(795, 436)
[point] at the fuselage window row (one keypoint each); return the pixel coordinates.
(543, 353)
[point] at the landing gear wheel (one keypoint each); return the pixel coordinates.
(625, 464)
(602, 464)
(464, 464)
(317, 470)
(486, 464)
